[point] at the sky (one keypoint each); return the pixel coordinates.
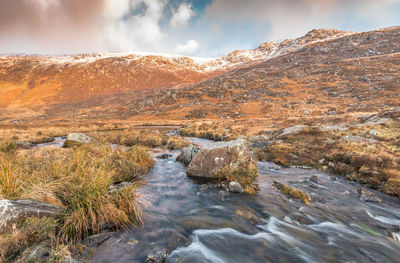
(203, 28)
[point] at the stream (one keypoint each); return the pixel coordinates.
(197, 222)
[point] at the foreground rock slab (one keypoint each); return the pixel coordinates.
(225, 160)
(12, 212)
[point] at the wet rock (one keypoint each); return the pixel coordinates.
(235, 187)
(313, 185)
(293, 192)
(12, 212)
(316, 198)
(164, 156)
(272, 166)
(158, 256)
(333, 178)
(204, 187)
(223, 186)
(76, 139)
(368, 196)
(96, 240)
(24, 145)
(227, 160)
(187, 154)
(314, 178)
(293, 130)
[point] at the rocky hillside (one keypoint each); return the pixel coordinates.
(324, 73)
(339, 77)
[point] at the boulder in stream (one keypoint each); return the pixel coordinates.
(187, 154)
(76, 139)
(12, 212)
(226, 160)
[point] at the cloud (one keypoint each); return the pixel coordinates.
(51, 26)
(83, 26)
(182, 15)
(189, 48)
(127, 30)
(292, 18)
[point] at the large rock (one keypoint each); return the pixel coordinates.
(187, 154)
(74, 139)
(226, 160)
(14, 211)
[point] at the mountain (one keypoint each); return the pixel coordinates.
(324, 73)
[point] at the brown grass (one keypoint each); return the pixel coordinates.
(372, 160)
(77, 179)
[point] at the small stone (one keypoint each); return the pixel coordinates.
(158, 256)
(331, 164)
(368, 196)
(314, 178)
(164, 156)
(333, 178)
(204, 187)
(316, 198)
(235, 187)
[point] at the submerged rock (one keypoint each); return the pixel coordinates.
(12, 212)
(314, 178)
(293, 192)
(75, 139)
(187, 154)
(226, 160)
(164, 156)
(235, 187)
(368, 196)
(158, 256)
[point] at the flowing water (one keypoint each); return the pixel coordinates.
(200, 223)
(197, 222)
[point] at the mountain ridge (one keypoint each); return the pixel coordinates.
(41, 86)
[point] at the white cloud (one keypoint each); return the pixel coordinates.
(182, 15)
(188, 48)
(133, 32)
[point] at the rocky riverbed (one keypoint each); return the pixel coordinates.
(194, 221)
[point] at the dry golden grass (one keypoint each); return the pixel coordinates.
(79, 180)
(29, 232)
(130, 137)
(177, 142)
(368, 154)
(44, 133)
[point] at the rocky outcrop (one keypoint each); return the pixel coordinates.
(187, 154)
(225, 160)
(75, 139)
(14, 211)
